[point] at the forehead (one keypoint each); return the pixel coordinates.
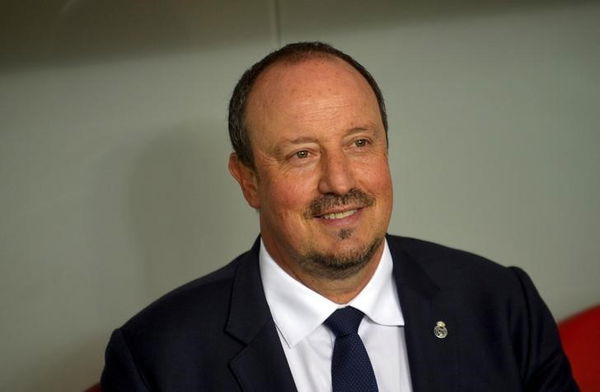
(296, 88)
(299, 76)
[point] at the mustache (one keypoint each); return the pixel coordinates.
(326, 202)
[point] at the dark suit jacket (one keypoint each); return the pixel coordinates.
(217, 334)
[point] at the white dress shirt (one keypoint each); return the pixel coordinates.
(299, 313)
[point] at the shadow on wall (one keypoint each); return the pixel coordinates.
(75, 30)
(182, 203)
(80, 30)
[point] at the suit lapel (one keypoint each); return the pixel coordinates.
(261, 365)
(432, 360)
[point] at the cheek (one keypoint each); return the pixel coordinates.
(376, 178)
(287, 197)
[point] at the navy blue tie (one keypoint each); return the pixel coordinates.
(351, 369)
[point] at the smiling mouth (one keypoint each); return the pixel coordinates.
(339, 215)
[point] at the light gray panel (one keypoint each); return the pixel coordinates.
(494, 126)
(113, 165)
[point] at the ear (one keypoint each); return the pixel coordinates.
(247, 178)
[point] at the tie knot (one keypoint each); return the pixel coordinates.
(344, 321)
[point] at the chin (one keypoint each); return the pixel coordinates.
(341, 261)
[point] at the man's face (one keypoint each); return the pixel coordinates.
(321, 181)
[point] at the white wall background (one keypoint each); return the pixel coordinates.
(113, 149)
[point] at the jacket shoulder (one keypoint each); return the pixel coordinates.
(454, 268)
(180, 341)
(201, 300)
(489, 306)
(430, 252)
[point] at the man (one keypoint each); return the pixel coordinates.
(309, 131)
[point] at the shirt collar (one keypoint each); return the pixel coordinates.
(298, 310)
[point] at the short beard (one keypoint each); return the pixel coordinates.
(336, 267)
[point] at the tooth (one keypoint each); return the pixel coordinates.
(339, 215)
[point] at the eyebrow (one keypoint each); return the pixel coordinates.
(354, 130)
(302, 139)
(351, 131)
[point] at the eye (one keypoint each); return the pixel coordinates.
(301, 154)
(361, 142)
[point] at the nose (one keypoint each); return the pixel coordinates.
(336, 174)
